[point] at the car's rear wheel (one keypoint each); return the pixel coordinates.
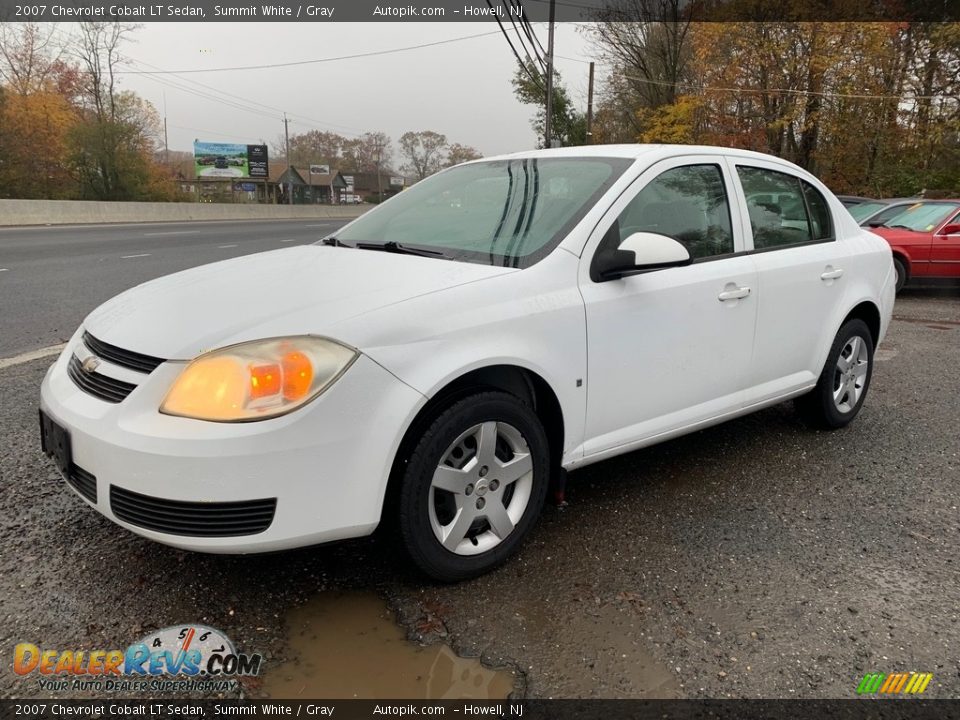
(900, 273)
(474, 486)
(844, 381)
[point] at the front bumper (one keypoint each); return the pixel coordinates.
(326, 464)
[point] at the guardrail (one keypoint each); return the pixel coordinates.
(83, 212)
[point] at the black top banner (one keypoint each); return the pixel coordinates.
(483, 11)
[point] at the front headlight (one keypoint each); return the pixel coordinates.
(257, 380)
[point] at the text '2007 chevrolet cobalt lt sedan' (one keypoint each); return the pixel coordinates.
(445, 356)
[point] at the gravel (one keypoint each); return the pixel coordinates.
(758, 558)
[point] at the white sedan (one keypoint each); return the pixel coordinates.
(449, 355)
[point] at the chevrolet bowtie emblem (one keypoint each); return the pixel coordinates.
(90, 364)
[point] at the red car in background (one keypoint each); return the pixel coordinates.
(925, 240)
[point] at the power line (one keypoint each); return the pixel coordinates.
(785, 91)
(242, 100)
(531, 33)
(522, 31)
(523, 66)
(313, 62)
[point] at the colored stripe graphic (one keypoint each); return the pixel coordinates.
(870, 683)
(910, 683)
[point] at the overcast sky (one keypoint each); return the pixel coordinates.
(461, 89)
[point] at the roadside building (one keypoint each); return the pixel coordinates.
(316, 188)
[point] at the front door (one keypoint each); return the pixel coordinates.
(945, 253)
(669, 348)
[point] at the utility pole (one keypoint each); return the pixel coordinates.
(286, 133)
(379, 184)
(590, 108)
(548, 134)
(166, 146)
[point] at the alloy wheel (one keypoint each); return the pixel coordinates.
(850, 375)
(481, 488)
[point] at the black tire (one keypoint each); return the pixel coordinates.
(901, 273)
(818, 407)
(429, 451)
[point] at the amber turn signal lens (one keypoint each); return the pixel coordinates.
(264, 380)
(297, 375)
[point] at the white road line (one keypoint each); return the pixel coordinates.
(4, 270)
(172, 232)
(32, 355)
(289, 240)
(224, 247)
(127, 257)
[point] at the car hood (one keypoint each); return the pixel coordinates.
(901, 236)
(294, 291)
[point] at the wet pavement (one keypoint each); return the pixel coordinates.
(758, 558)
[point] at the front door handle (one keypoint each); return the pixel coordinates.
(735, 294)
(831, 274)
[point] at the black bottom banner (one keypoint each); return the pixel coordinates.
(859, 709)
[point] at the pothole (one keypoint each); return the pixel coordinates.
(348, 645)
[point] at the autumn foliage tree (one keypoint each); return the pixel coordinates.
(67, 130)
(872, 108)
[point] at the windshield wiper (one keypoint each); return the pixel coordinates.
(333, 242)
(905, 227)
(396, 247)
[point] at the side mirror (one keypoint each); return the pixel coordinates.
(639, 253)
(951, 229)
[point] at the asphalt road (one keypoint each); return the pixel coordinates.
(758, 558)
(51, 277)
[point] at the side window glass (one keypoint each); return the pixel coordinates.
(820, 218)
(686, 203)
(778, 214)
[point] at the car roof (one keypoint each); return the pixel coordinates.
(914, 201)
(648, 151)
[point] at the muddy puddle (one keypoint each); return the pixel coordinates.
(348, 645)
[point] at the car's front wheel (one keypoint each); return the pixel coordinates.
(844, 381)
(474, 485)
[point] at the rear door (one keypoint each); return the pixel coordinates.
(801, 271)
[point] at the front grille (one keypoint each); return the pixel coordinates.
(195, 519)
(118, 356)
(83, 482)
(101, 386)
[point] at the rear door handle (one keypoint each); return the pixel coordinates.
(831, 274)
(735, 294)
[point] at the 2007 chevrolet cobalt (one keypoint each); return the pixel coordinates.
(445, 356)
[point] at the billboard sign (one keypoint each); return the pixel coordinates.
(319, 169)
(227, 160)
(397, 180)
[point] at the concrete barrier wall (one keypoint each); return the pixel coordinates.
(80, 212)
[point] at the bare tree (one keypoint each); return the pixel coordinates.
(458, 153)
(364, 153)
(99, 52)
(28, 55)
(647, 43)
(423, 152)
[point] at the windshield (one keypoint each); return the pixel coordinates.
(921, 217)
(864, 210)
(506, 212)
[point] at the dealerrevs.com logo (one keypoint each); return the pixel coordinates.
(179, 658)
